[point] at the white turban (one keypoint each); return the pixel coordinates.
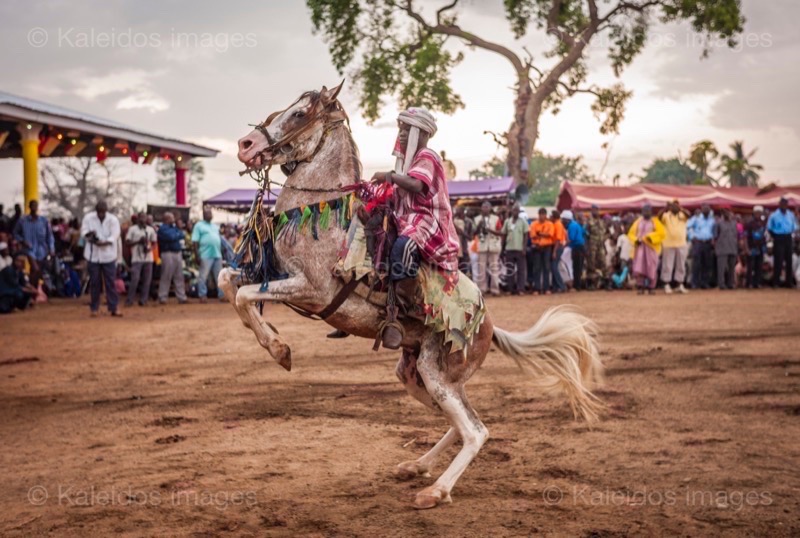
(417, 118)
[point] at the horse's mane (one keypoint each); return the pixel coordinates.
(355, 154)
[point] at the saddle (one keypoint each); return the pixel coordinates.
(380, 230)
(402, 298)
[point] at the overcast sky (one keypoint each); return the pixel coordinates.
(249, 58)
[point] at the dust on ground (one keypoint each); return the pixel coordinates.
(173, 422)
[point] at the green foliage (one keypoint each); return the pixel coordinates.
(569, 15)
(494, 167)
(669, 172)
(395, 49)
(548, 170)
(546, 173)
(412, 65)
(711, 18)
(628, 38)
(701, 155)
(338, 22)
(738, 168)
(609, 107)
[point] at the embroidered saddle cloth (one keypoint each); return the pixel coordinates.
(452, 306)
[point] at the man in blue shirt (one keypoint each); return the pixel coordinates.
(700, 229)
(170, 248)
(781, 225)
(34, 233)
(576, 240)
(207, 245)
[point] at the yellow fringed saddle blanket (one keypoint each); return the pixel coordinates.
(450, 304)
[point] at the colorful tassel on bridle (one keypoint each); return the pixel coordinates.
(255, 255)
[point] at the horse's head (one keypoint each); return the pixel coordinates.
(293, 134)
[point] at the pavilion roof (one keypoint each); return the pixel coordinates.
(15, 109)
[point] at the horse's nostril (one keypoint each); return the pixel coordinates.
(245, 144)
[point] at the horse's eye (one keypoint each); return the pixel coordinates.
(299, 114)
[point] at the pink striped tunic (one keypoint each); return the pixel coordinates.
(426, 217)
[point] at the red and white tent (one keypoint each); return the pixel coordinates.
(607, 198)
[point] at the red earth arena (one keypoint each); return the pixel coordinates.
(177, 419)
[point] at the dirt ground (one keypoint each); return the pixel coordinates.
(173, 422)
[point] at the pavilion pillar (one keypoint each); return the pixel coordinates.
(181, 165)
(29, 140)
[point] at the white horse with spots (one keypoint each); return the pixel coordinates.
(312, 142)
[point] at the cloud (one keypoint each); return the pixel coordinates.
(225, 146)
(755, 82)
(137, 84)
(143, 99)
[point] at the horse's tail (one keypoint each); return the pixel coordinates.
(560, 350)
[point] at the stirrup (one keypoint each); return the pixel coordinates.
(393, 326)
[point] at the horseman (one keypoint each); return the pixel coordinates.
(422, 211)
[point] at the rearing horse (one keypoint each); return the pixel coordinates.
(311, 141)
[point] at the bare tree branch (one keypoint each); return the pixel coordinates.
(571, 90)
(455, 31)
(529, 63)
(632, 6)
(553, 28)
(448, 7)
(500, 139)
(593, 10)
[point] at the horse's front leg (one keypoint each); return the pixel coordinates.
(296, 289)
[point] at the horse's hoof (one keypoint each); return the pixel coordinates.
(282, 354)
(431, 498)
(409, 470)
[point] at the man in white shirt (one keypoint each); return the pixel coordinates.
(101, 232)
(140, 239)
(490, 243)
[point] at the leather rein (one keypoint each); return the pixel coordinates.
(332, 116)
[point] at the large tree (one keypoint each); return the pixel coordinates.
(397, 49)
(75, 184)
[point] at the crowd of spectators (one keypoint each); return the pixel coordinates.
(504, 250)
(135, 260)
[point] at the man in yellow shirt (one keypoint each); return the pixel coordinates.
(675, 246)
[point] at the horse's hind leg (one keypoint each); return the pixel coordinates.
(412, 381)
(449, 395)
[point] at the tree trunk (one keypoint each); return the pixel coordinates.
(524, 130)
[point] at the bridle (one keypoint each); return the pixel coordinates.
(332, 116)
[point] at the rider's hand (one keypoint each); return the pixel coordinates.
(379, 177)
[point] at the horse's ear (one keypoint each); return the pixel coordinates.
(329, 96)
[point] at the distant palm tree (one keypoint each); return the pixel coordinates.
(700, 156)
(738, 168)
